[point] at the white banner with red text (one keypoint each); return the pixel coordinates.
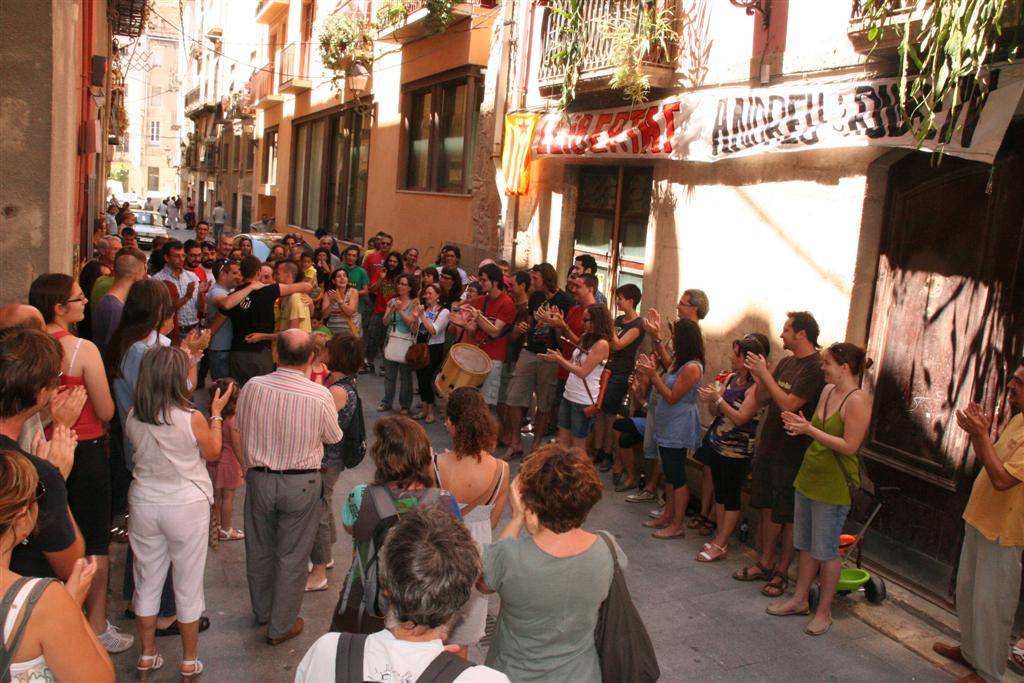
(734, 122)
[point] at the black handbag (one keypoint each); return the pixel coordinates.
(622, 642)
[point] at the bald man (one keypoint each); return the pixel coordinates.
(21, 315)
(283, 485)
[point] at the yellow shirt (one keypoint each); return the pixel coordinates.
(293, 309)
(999, 515)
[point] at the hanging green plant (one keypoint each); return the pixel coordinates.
(568, 47)
(390, 12)
(345, 39)
(641, 35)
(944, 60)
(439, 14)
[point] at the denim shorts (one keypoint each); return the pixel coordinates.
(817, 527)
(571, 417)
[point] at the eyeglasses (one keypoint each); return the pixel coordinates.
(40, 496)
(77, 299)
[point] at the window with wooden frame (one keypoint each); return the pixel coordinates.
(440, 116)
(330, 157)
(268, 165)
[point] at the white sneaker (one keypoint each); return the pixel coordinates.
(114, 641)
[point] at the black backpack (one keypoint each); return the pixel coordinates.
(353, 445)
(348, 663)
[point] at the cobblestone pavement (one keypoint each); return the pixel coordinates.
(705, 626)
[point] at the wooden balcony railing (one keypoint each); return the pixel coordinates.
(598, 52)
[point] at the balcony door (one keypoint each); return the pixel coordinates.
(612, 210)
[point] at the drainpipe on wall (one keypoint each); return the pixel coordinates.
(525, 52)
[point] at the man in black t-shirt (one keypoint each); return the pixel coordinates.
(251, 310)
(29, 377)
(794, 386)
(534, 377)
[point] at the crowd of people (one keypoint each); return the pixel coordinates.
(98, 392)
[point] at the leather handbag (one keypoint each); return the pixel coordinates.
(622, 642)
(862, 498)
(418, 356)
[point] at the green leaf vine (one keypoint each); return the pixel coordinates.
(346, 39)
(568, 48)
(640, 35)
(943, 63)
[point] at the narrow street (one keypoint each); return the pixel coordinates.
(704, 625)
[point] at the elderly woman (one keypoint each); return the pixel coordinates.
(552, 581)
(401, 452)
(429, 564)
(169, 500)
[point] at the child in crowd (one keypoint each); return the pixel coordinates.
(226, 472)
(319, 371)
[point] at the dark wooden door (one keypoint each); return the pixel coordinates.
(946, 323)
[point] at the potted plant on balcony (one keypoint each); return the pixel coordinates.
(391, 12)
(644, 34)
(346, 39)
(944, 58)
(439, 14)
(568, 47)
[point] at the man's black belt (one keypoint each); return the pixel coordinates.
(267, 470)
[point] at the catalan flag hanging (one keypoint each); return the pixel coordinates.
(515, 156)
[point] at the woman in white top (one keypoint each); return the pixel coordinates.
(433, 319)
(41, 621)
(340, 306)
(480, 484)
(579, 402)
(169, 499)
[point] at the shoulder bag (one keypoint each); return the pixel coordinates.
(622, 642)
(398, 342)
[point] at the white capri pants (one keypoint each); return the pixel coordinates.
(176, 536)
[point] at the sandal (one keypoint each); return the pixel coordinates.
(231, 534)
(712, 552)
(1017, 659)
(195, 665)
(696, 521)
(708, 528)
(155, 662)
(654, 524)
(663, 536)
(776, 589)
(758, 572)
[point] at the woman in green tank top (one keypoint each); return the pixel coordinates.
(838, 427)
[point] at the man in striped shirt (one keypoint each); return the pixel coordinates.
(284, 420)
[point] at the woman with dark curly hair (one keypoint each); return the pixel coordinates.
(479, 482)
(401, 452)
(552, 581)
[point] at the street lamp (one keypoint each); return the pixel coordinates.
(358, 79)
(754, 6)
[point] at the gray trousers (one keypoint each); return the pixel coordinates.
(282, 512)
(987, 585)
(326, 531)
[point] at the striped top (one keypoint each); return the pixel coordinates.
(284, 420)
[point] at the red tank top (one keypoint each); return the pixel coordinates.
(88, 425)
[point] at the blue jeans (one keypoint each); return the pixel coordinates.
(817, 527)
(572, 417)
(397, 371)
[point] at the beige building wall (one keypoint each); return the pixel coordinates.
(761, 235)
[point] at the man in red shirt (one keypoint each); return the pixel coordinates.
(373, 264)
(487, 320)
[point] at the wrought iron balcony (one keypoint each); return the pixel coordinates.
(191, 99)
(293, 61)
(417, 22)
(263, 86)
(128, 17)
(598, 60)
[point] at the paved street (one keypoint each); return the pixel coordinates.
(704, 625)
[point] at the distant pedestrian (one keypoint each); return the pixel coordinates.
(220, 217)
(284, 420)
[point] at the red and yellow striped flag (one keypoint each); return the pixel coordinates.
(515, 156)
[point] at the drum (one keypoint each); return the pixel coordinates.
(465, 366)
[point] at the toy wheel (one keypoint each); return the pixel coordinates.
(874, 590)
(813, 595)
